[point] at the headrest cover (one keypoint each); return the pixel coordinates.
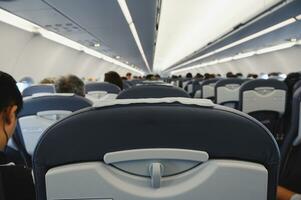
(152, 91)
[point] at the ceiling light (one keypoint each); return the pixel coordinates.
(126, 12)
(243, 55)
(243, 40)
(276, 47)
(23, 24)
(16, 21)
(117, 57)
(298, 17)
(223, 60)
(96, 45)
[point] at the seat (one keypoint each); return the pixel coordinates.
(170, 148)
(227, 92)
(36, 89)
(265, 100)
(39, 113)
(152, 91)
(207, 89)
(291, 148)
(101, 91)
(192, 86)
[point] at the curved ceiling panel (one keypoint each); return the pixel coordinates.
(186, 26)
(105, 21)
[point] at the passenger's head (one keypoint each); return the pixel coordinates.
(239, 75)
(70, 84)
(10, 105)
(129, 76)
(114, 78)
(230, 75)
(149, 77)
(198, 76)
(188, 75)
(48, 81)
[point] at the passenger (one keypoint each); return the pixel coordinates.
(149, 77)
(48, 81)
(188, 75)
(285, 194)
(199, 76)
(239, 75)
(70, 84)
(15, 181)
(129, 76)
(206, 76)
(157, 77)
(230, 75)
(114, 78)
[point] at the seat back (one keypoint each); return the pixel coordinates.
(265, 100)
(207, 88)
(152, 91)
(40, 112)
(35, 89)
(227, 92)
(291, 148)
(101, 91)
(129, 151)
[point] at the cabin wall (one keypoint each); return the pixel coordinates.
(26, 54)
(285, 61)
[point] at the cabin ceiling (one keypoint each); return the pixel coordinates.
(95, 21)
(185, 26)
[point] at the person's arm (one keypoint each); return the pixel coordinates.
(285, 194)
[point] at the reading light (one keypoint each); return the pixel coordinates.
(96, 45)
(126, 12)
(243, 40)
(23, 24)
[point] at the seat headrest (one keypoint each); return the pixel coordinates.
(124, 126)
(209, 81)
(224, 82)
(49, 88)
(53, 102)
(102, 86)
(252, 84)
(152, 91)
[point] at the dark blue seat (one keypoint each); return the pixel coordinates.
(39, 113)
(265, 100)
(102, 86)
(207, 88)
(291, 148)
(227, 92)
(89, 153)
(152, 91)
(38, 89)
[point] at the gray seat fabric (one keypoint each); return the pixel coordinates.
(265, 100)
(102, 86)
(38, 89)
(152, 91)
(30, 115)
(96, 131)
(227, 91)
(207, 88)
(291, 148)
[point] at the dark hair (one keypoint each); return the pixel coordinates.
(114, 78)
(10, 92)
(70, 84)
(188, 75)
(129, 74)
(149, 77)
